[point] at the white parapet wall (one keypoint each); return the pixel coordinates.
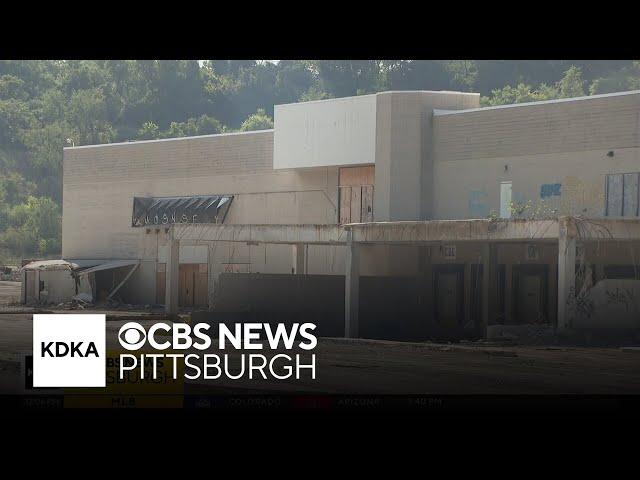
(324, 133)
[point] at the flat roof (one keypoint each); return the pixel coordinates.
(337, 99)
(440, 112)
(172, 139)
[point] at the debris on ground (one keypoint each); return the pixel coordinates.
(83, 297)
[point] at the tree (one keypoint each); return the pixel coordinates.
(88, 117)
(12, 87)
(314, 93)
(294, 78)
(627, 78)
(207, 125)
(15, 189)
(257, 121)
(44, 148)
(464, 73)
(519, 94)
(343, 78)
(204, 125)
(571, 84)
(148, 131)
(38, 218)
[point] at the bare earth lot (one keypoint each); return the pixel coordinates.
(377, 367)
(9, 292)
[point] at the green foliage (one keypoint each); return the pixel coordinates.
(627, 78)
(529, 210)
(32, 227)
(570, 85)
(15, 189)
(46, 105)
(257, 121)
(204, 125)
(148, 131)
(464, 73)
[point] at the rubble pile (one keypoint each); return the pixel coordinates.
(77, 302)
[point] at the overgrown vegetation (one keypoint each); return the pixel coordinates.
(46, 105)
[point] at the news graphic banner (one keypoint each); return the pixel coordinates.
(153, 362)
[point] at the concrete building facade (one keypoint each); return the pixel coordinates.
(544, 197)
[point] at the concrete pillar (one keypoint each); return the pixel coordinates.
(467, 293)
(172, 277)
(489, 283)
(37, 285)
(23, 287)
(352, 289)
(299, 259)
(566, 273)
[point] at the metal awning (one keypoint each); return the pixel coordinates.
(109, 265)
(170, 210)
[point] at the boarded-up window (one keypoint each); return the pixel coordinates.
(622, 195)
(356, 194)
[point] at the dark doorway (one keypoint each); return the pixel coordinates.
(530, 286)
(477, 277)
(449, 295)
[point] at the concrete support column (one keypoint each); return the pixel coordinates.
(23, 287)
(352, 289)
(299, 259)
(172, 277)
(467, 293)
(37, 284)
(566, 273)
(489, 283)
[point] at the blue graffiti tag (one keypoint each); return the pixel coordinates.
(550, 190)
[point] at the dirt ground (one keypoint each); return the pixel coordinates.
(9, 292)
(382, 367)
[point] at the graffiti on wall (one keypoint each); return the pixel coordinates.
(550, 190)
(610, 303)
(620, 296)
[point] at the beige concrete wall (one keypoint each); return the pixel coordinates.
(403, 160)
(563, 142)
(100, 182)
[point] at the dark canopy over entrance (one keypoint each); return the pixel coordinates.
(168, 210)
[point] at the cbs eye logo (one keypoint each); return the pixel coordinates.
(132, 336)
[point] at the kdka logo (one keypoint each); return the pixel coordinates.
(69, 350)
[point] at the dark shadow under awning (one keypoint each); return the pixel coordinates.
(168, 210)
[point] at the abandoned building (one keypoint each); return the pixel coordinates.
(399, 214)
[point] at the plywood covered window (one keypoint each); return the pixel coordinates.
(356, 194)
(622, 195)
